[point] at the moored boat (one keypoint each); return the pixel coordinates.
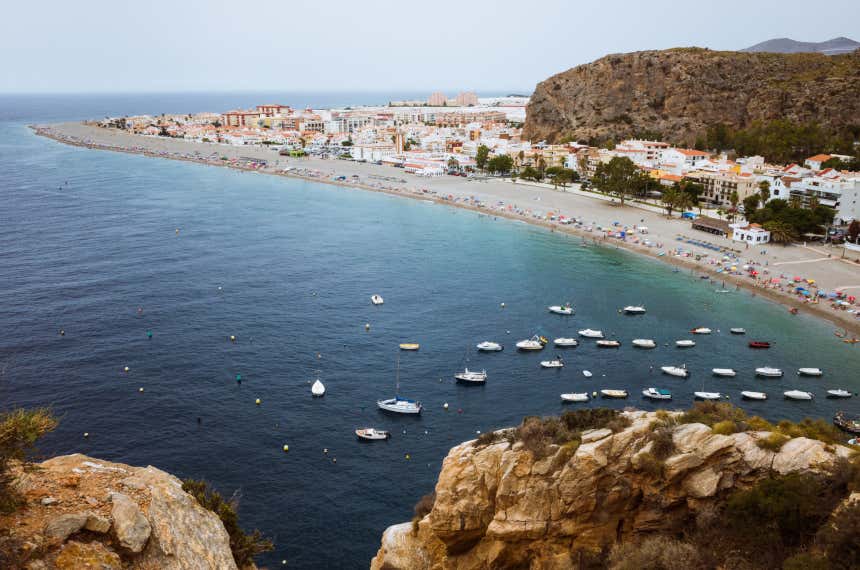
(565, 309)
(587, 373)
(317, 388)
(634, 310)
(554, 363)
(838, 393)
(843, 421)
(701, 330)
(564, 342)
(707, 395)
(409, 346)
(534, 343)
(372, 434)
(644, 343)
(488, 346)
(608, 344)
(575, 397)
(750, 395)
(591, 333)
(727, 372)
(376, 299)
(397, 404)
(759, 344)
(798, 395)
(738, 330)
(685, 343)
(657, 394)
(679, 371)
(810, 372)
(609, 393)
(768, 372)
(471, 376)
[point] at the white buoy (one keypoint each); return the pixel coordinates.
(126, 369)
(367, 326)
(86, 434)
(141, 389)
(257, 401)
(503, 305)
(286, 447)
(445, 405)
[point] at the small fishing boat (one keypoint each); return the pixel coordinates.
(565, 309)
(634, 310)
(471, 376)
(685, 343)
(488, 346)
(838, 393)
(575, 397)
(565, 342)
(534, 343)
(410, 346)
(798, 395)
(317, 388)
(846, 423)
(759, 344)
(738, 330)
(644, 343)
(657, 394)
(749, 395)
(591, 333)
(587, 373)
(727, 372)
(810, 372)
(554, 363)
(852, 340)
(608, 344)
(376, 299)
(679, 371)
(768, 372)
(397, 404)
(372, 434)
(701, 330)
(607, 393)
(707, 395)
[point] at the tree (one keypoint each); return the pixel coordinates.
(853, 230)
(795, 202)
(780, 232)
(733, 200)
(685, 202)
(453, 164)
(529, 173)
(814, 202)
(751, 204)
(619, 176)
(764, 191)
(482, 156)
(670, 199)
(501, 164)
(19, 431)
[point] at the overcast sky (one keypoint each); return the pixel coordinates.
(368, 45)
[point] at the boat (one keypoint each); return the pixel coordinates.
(838, 393)
(738, 330)
(644, 343)
(488, 346)
(798, 395)
(679, 371)
(768, 372)
(397, 404)
(575, 397)
(565, 309)
(728, 372)
(613, 393)
(685, 343)
(565, 342)
(810, 372)
(707, 395)
(410, 346)
(587, 373)
(749, 395)
(554, 363)
(317, 388)
(372, 434)
(471, 376)
(852, 340)
(376, 299)
(534, 343)
(759, 344)
(846, 422)
(608, 344)
(657, 394)
(591, 333)
(701, 330)
(634, 310)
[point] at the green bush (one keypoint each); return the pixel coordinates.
(773, 442)
(813, 429)
(710, 413)
(757, 423)
(19, 431)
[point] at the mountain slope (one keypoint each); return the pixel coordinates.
(834, 46)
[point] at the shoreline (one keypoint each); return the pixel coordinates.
(841, 319)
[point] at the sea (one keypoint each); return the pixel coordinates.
(154, 264)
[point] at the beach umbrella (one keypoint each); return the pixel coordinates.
(775, 280)
(796, 279)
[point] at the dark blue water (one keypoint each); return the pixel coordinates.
(296, 263)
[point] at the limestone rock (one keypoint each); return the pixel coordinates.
(130, 526)
(87, 555)
(63, 526)
(97, 523)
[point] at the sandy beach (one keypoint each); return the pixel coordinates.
(780, 270)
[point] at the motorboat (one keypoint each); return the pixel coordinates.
(587, 373)
(372, 434)
(565, 342)
(534, 343)
(634, 310)
(679, 371)
(554, 363)
(317, 388)
(565, 309)
(847, 423)
(591, 333)
(838, 393)
(738, 330)
(410, 346)
(575, 397)
(727, 372)
(608, 344)
(749, 395)
(397, 404)
(376, 299)
(685, 343)
(657, 394)
(707, 395)
(701, 330)
(488, 346)
(613, 393)
(768, 372)
(759, 344)
(810, 372)
(644, 343)
(798, 395)
(471, 376)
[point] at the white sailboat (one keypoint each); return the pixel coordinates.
(644, 343)
(565, 309)
(397, 404)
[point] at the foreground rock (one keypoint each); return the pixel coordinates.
(109, 515)
(498, 507)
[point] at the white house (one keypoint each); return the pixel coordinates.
(752, 234)
(849, 204)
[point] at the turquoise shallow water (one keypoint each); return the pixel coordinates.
(297, 263)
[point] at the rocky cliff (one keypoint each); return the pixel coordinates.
(82, 512)
(496, 506)
(677, 93)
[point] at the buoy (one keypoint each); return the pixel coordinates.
(334, 460)
(286, 447)
(594, 394)
(148, 334)
(503, 305)
(459, 410)
(126, 369)
(258, 401)
(232, 338)
(177, 231)
(284, 562)
(408, 456)
(219, 287)
(86, 434)
(238, 377)
(62, 332)
(367, 326)
(325, 450)
(141, 389)
(319, 355)
(445, 405)
(478, 432)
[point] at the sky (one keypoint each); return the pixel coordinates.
(367, 45)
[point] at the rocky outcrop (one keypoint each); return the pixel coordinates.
(82, 512)
(497, 506)
(679, 92)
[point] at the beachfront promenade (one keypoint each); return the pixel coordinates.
(531, 203)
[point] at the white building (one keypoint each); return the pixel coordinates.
(752, 234)
(849, 203)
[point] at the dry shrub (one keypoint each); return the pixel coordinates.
(725, 427)
(422, 509)
(662, 444)
(773, 442)
(840, 538)
(657, 552)
(709, 413)
(758, 423)
(813, 429)
(650, 465)
(19, 431)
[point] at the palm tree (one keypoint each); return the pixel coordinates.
(685, 202)
(795, 202)
(670, 199)
(764, 191)
(734, 199)
(780, 232)
(814, 202)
